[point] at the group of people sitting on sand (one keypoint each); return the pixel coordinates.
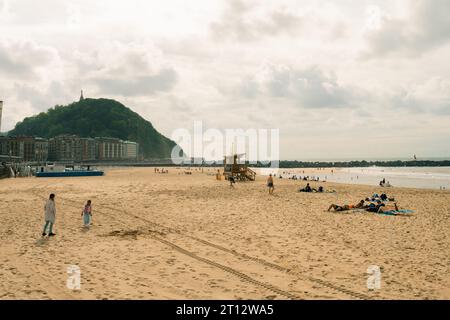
(308, 188)
(271, 186)
(306, 178)
(157, 170)
(377, 204)
(382, 197)
(385, 184)
(320, 189)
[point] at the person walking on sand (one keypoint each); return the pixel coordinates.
(87, 213)
(270, 184)
(232, 181)
(50, 215)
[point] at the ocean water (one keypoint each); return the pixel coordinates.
(408, 177)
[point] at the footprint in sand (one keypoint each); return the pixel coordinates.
(41, 241)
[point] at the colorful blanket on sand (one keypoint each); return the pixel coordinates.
(397, 212)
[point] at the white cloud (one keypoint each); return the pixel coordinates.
(133, 70)
(426, 27)
(432, 96)
(238, 23)
(374, 18)
(24, 59)
(310, 87)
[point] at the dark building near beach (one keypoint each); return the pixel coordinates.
(71, 148)
(88, 149)
(67, 148)
(62, 148)
(4, 146)
(41, 150)
(24, 148)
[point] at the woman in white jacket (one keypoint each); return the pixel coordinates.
(50, 215)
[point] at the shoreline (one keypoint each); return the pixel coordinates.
(399, 179)
(308, 171)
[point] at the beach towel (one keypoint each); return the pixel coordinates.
(397, 213)
(350, 211)
(357, 210)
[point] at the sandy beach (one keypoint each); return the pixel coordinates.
(178, 236)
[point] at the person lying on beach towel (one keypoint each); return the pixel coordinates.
(380, 207)
(375, 207)
(386, 208)
(347, 207)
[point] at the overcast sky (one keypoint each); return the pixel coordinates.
(340, 79)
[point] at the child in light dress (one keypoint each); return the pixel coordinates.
(87, 213)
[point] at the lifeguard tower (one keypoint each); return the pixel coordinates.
(233, 167)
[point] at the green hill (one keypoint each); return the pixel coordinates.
(98, 118)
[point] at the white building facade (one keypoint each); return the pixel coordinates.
(130, 150)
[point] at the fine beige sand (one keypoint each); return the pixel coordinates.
(178, 236)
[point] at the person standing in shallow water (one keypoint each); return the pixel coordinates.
(87, 213)
(50, 216)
